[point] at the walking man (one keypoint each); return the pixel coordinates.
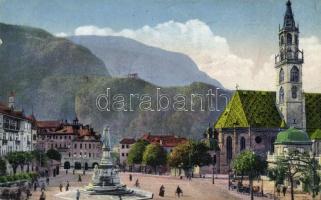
(179, 191)
(78, 194)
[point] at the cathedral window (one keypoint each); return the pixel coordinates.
(281, 76)
(242, 144)
(289, 39)
(282, 40)
(294, 74)
(294, 92)
(281, 95)
(296, 39)
(229, 149)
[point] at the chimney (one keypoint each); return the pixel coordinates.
(11, 100)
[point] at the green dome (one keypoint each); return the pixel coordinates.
(316, 135)
(292, 136)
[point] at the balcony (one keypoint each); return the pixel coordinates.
(289, 57)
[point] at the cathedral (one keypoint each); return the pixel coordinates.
(252, 119)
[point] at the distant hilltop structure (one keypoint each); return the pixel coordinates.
(133, 75)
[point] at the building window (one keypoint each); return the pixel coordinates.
(75, 146)
(281, 95)
(89, 146)
(69, 154)
(281, 76)
(296, 39)
(80, 146)
(229, 148)
(126, 154)
(61, 137)
(69, 137)
(289, 38)
(122, 146)
(294, 92)
(295, 74)
(243, 145)
(65, 137)
(122, 154)
(85, 146)
(127, 146)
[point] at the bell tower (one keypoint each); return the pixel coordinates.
(288, 66)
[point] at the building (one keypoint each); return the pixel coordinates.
(252, 119)
(168, 142)
(79, 145)
(124, 148)
(15, 129)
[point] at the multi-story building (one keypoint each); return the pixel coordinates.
(15, 129)
(79, 145)
(124, 148)
(168, 142)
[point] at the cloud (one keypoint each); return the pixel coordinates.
(212, 53)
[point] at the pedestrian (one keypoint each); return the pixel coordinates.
(47, 180)
(278, 190)
(179, 191)
(43, 187)
(67, 186)
(77, 194)
(60, 187)
(66, 171)
(42, 196)
(162, 191)
(35, 186)
(79, 178)
(284, 190)
(73, 171)
(130, 177)
(28, 193)
(136, 183)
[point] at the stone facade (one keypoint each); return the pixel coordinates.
(15, 129)
(79, 145)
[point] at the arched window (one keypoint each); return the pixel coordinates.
(229, 148)
(281, 76)
(281, 95)
(289, 38)
(294, 74)
(296, 39)
(294, 92)
(242, 144)
(282, 40)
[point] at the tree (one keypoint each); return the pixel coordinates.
(135, 155)
(40, 157)
(28, 158)
(189, 154)
(310, 176)
(13, 159)
(294, 165)
(154, 155)
(250, 164)
(53, 154)
(3, 167)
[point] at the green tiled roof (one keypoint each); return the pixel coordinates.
(255, 108)
(313, 111)
(292, 136)
(316, 135)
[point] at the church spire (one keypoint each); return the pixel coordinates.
(288, 17)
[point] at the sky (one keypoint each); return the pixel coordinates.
(233, 41)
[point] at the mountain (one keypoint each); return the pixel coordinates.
(136, 121)
(123, 56)
(31, 62)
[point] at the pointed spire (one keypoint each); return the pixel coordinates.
(288, 17)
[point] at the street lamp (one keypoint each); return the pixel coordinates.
(214, 163)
